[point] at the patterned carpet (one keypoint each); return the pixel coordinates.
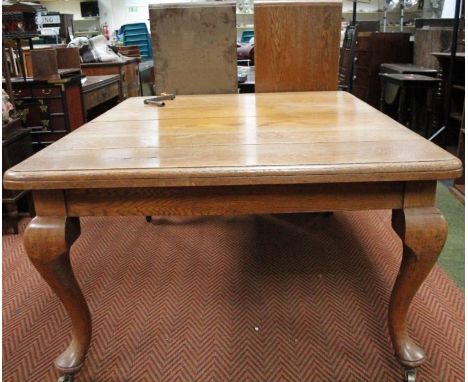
(266, 298)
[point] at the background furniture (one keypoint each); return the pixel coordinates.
(194, 47)
(129, 50)
(146, 70)
(128, 71)
(51, 109)
(347, 56)
(372, 50)
(414, 100)
(16, 146)
(407, 69)
(296, 45)
(457, 95)
(100, 93)
(53, 64)
(454, 111)
(428, 40)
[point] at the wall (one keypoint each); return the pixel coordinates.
(64, 6)
(118, 12)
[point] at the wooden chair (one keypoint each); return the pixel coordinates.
(345, 74)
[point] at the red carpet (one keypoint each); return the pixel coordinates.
(268, 298)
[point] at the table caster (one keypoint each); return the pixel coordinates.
(66, 378)
(410, 375)
(148, 219)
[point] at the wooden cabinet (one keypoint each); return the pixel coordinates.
(127, 70)
(51, 109)
(16, 147)
(372, 50)
(453, 138)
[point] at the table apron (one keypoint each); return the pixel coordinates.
(234, 200)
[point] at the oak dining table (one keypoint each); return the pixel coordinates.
(236, 154)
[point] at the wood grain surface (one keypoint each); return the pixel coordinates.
(243, 139)
(297, 45)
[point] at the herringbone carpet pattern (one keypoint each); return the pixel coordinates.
(266, 298)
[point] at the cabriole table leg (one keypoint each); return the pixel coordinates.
(423, 232)
(47, 241)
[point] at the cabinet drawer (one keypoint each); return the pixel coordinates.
(49, 124)
(47, 92)
(98, 96)
(22, 93)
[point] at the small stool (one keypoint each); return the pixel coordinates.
(415, 99)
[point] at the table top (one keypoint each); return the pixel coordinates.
(234, 139)
(123, 61)
(96, 82)
(407, 68)
(410, 77)
(458, 55)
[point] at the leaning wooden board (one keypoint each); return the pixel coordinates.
(297, 45)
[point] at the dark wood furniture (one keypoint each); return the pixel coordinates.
(297, 45)
(347, 53)
(128, 71)
(454, 136)
(146, 70)
(407, 69)
(347, 56)
(457, 94)
(129, 50)
(372, 50)
(56, 63)
(100, 93)
(51, 109)
(194, 47)
(428, 40)
(415, 100)
(16, 147)
(236, 154)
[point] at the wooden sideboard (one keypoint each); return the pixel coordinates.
(100, 93)
(372, 50)
(127, 70)
(51, 109)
